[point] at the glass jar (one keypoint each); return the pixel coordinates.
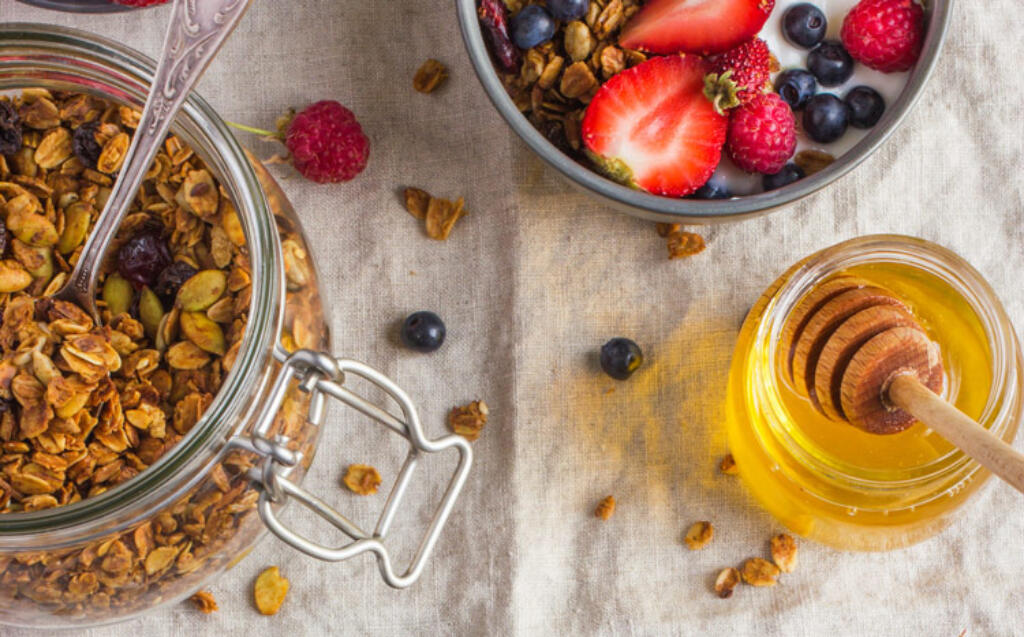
(158, 537)
(832, 482)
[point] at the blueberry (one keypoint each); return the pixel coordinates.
(826, 118)
(804, 25)
(713, 189)
(568, 9)
(831, 63)
(796, 87)
(532, 27)
(423, 331)
(786, 176)
(620, 357)
(866, 106)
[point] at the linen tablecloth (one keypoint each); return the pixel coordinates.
(531, 283)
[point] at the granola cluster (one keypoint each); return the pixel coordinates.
(84, 407)
(557, 80)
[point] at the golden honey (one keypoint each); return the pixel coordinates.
(839, 485)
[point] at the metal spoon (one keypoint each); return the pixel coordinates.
(196, 32)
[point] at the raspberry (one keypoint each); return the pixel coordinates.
(139, 3)
(762, 134)
(740, 73)
(327, 143)
(885, 35)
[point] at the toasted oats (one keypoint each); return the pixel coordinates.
(362, 479)
(726, 582)
(699, 535)
(728, 465)
(605, 508)
(577, 81)
(429, 76)
(760, 572)
(440, 215)
(784, 552)
(416, 202)
(270, 590)
(683, 244)
(665, 229)
(813, 161)
(469, 420)
(579, 41)
(205, 602)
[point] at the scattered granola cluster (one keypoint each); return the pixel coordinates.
(430, 76)
(681, 244)
(605, 508)
(270, 590)
(469, 420)
(759, 572)
(84, 407)
(438, 214)
(362, 479)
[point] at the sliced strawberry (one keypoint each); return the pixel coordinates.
(651, 126)
(695, 26)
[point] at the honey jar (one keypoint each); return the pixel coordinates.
(837, 484)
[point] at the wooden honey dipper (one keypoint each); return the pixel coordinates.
(859, 355)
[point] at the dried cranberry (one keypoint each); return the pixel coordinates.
(84, 143)
(141, 259)
(171, 280)
(494, 20)
(3, 240)
(10, 129)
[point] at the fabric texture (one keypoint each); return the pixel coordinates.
(531, 283)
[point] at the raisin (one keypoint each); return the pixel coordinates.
(170, 281)
(10, 129)
(494, 20)
(3, 240)
(85, 146)
(142, 258)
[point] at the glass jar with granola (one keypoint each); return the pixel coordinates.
(145, 454)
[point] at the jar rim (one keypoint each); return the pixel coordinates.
(103, 67)
(1005, 390)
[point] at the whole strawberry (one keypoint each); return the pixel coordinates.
(885, 35)
(139, 3)
(739, 74)
(327, 143)
(762, 134)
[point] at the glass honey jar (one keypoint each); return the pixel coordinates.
(831, 482)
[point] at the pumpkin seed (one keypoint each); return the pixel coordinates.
(202, 290)
(13, 277)
(203, 332)
(76, 227)
(117, 293)
(35, 230)
(151, 310)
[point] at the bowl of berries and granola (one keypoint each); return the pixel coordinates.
(144, 453)
(698, 110)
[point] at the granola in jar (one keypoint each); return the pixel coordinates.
(85, 407)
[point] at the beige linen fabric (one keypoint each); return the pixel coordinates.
(531, 283)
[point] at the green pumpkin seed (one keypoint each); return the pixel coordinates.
(202, 290)
(151, 310)
(117, 293)
(203, 332)
(76, 227)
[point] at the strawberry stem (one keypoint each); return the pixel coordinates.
(256, 131)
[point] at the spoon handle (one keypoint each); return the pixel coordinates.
(907, 392)
(196, 31)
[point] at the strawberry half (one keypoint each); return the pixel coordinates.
(651, 126)
(695, 26)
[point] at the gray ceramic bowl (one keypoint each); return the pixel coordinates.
(656, 208)
(79, 6)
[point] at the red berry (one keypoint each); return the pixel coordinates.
(139, 3)
(142, 258)
(695, 26)
(651, 126)
(739, 74)
(762, 135)
(885, 35)
(327, 143)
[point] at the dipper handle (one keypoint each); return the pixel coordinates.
(908, 393)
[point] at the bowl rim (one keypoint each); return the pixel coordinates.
(674, 210)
